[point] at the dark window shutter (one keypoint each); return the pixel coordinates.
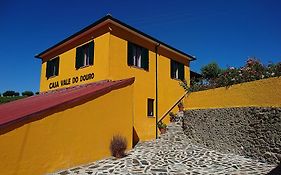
(181, 71)
(56, 64)
(91, 53)
(48, 69)
(172, 66)
(130, 60)
(144, 59)
(79, 58)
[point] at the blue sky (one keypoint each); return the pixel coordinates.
(227, 32)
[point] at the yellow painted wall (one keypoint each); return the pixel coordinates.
(67, 65)
(68, 138)
(110, 62)
(263, 93)
(144, 85)
(169, 89)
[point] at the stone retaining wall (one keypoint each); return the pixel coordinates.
(249, 131)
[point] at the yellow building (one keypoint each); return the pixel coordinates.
(64, 128)
(107, 79)
(110, 49)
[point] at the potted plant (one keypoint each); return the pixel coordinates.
(180, 106)
(162, 127)
(172, 117)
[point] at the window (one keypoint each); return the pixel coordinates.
(85, 55)
(150, 107)
(177, 70)
(52, 67)
(137, 56)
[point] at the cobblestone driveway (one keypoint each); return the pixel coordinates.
(173, 154)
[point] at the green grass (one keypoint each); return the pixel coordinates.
(8, 99)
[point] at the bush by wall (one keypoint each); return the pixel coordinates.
(118, 145)
(213, 76)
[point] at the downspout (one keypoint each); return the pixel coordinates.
(156, 89)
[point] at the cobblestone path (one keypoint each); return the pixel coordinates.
(172, 154)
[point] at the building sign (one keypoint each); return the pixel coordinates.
(71, 80)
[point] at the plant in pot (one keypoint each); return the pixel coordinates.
(118, 146)
(180, 106)
(172, 117)
(162, 127)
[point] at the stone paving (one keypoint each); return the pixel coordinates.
(172, 153)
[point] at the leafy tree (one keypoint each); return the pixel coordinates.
(36, 93)
(27, 93)
(17, 94)
(9, 93)
(211, 71)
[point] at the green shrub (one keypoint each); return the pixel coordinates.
(184, 85)
(9, 99)
(27, 93)
(9, 93)
(161, 125)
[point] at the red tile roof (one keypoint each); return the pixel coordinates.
(44, 102)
